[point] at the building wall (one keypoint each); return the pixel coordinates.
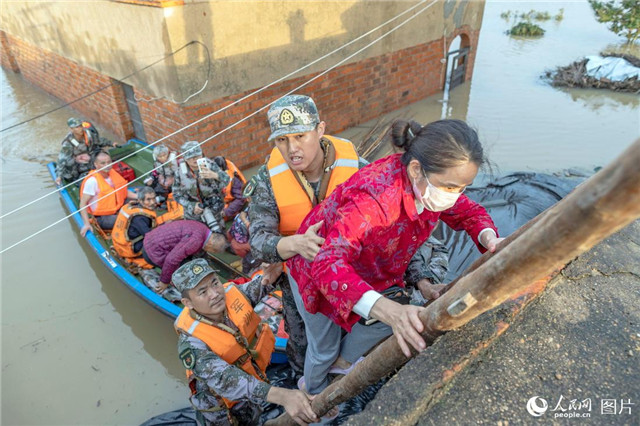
(397, 71)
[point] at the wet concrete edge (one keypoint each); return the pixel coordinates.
(421, 383)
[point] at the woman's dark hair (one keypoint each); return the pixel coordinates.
(438, 145)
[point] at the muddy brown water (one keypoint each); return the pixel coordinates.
(79, 348)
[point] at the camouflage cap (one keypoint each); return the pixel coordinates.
(74, 122)
(190, 149)
(191, 273)
(292, 114)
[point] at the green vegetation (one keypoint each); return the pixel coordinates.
(623, 17)
(532, 15)
(526, 29)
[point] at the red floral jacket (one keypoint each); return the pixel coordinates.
(372, 229)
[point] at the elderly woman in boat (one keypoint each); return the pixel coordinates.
(372, 225)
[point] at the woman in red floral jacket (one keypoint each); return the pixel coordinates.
(373, 224)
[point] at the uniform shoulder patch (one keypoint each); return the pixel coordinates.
(188, 358)
(250, 186)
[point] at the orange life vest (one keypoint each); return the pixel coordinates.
(231, 171)
(116, 197)
(120, 233)
(224, 343)
(293, 202)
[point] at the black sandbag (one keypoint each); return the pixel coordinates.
(511, 201)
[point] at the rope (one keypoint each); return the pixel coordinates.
(222, 109)
(241, 120)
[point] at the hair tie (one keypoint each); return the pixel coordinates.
(410, 133)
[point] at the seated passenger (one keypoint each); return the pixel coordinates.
(198, 187)
(226, 351)
(172, 244)
(105, 192)
(234, 201)
(134, 220)
(163, 175)
(74, 158)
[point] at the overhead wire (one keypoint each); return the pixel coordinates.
(238, 122)
(223, 108)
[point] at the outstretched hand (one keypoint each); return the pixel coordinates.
(85, 228)
(428, 290)
(295, 402)
(492, 242)
(405, 322)
(310, 242)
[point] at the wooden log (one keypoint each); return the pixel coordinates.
(597, 208)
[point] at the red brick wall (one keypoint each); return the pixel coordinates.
(349, 95)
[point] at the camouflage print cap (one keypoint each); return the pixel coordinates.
(74, 122)
(190, 274)
(190, 149)
(292, 114)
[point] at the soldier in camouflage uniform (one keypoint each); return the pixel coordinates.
(77, 147)
(197, 189)
(212, 378)
(297, 116)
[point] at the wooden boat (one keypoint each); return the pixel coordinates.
(142, 162)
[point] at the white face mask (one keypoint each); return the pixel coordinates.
(435, 199)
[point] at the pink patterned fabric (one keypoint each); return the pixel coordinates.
(372, 229)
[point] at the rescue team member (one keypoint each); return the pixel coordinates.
(134, 220)
(304, 167)
(234, 200)
(74, 159)
(199, 190)
(170, 245)
(374, 223)
(226, 349)
(98, 184)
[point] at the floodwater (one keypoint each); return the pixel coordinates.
(80, 348)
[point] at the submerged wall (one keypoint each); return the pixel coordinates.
(71, 49)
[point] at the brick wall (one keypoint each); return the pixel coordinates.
(349, 95)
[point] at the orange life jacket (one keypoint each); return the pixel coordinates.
(231, 171)
(222, 341)
(116, 198)
(120, 233)
(293, 202)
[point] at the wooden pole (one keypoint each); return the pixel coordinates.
(597, 208)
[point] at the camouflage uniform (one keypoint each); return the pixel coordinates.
(189, 190)
(264, 233)
(214, 376)
(66, 167)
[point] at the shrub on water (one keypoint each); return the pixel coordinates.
(526, 29)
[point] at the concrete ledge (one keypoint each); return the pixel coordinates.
(486, 371)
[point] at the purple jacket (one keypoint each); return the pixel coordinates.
(169, 244)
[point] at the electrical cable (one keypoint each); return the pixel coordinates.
(235, 124)
(223, 108)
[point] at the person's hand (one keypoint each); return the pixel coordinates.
(115, 144)
(197, 209)
(208, 174)
(308, 244)
(491, 241)
(428, 290)
(160, 287)
(295, 402)
(85, 228)
(405, 322)
(271, 272)
(58, 181)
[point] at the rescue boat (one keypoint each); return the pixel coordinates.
(270, 309)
